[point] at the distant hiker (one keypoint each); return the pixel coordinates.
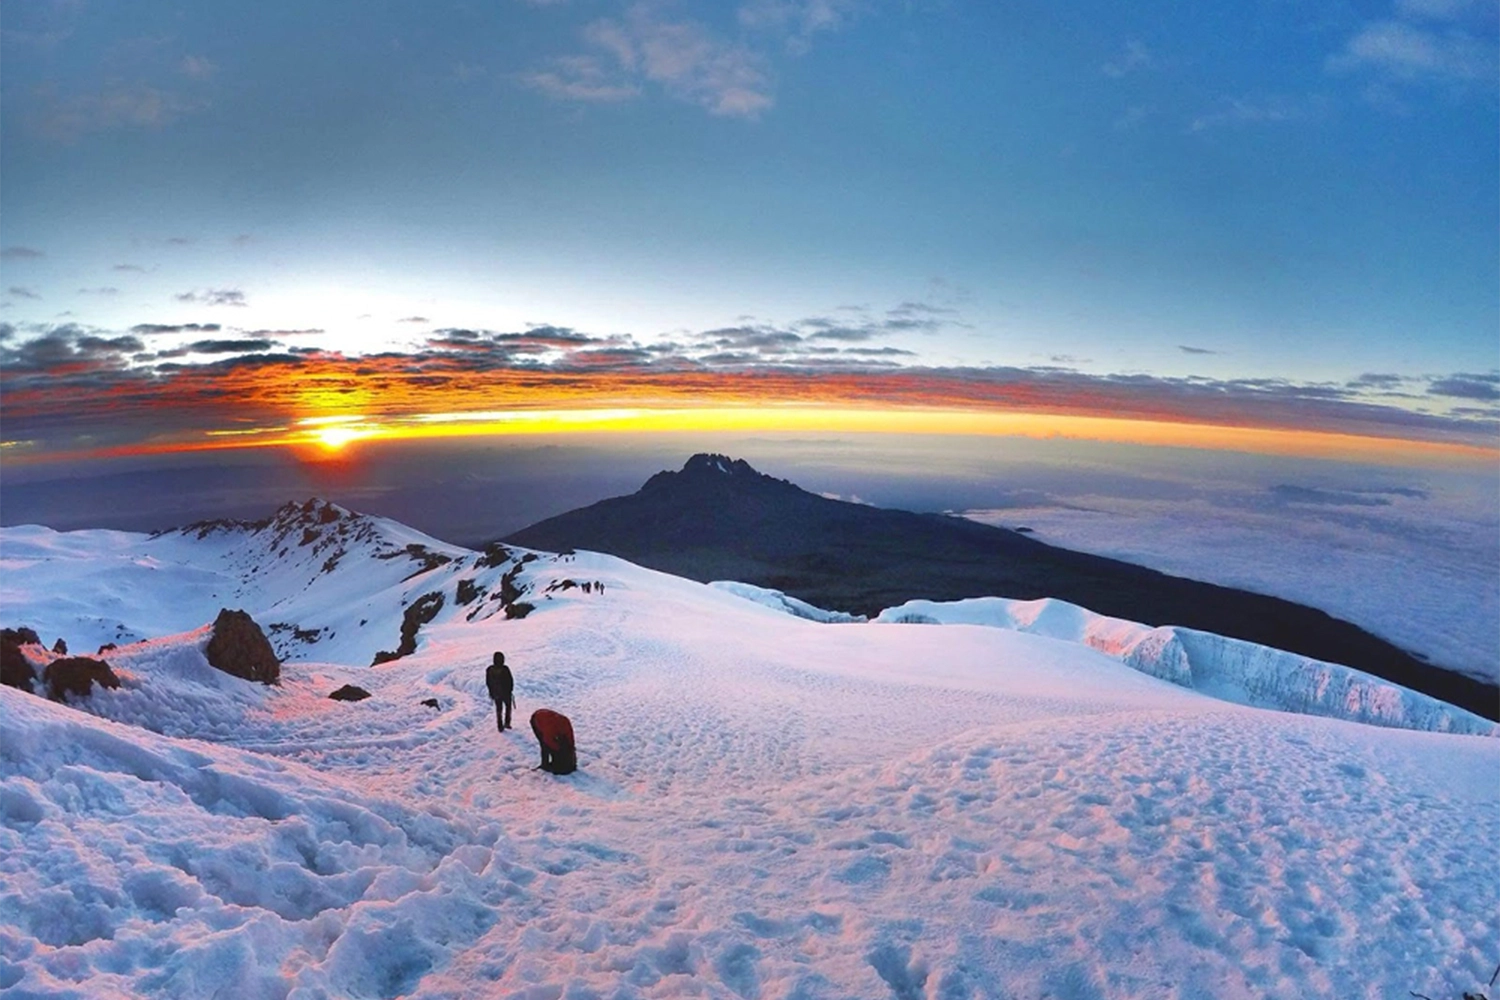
(555, 733)
(502, 690)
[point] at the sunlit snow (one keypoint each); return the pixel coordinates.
(767, 806)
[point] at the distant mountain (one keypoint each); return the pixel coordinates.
(720, 519)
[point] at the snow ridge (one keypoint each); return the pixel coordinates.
(1230, 669)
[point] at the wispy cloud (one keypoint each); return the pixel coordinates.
(67, 118)
(105, 290)
(20, 253)
(1256, 111)
(581, 78)
(684, 58)
(135, 268)
(1409, 52)
(214, 297)
(197, 67)
(797, 21)
(21, 292)
(1190, 349)
(1134, 57)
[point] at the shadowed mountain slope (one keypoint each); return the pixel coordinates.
(719, 519)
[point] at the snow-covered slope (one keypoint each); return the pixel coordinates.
(1232, 669)
(766, 807)
(325, 583)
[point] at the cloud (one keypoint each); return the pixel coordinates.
(1406, 52)
(101, 290)
(1485, 388)
(797, 21)
(22, 293)
(683, 58)
(1133, 117)
(20, 253)
(414, 319)
(75, 378)
(67, 351)
(136, 268)
(214, 297)
(1286, 493)
(580, 78)
(1256, 111)
(1134, 57)
(197, 67)
(116, 106)
(158, 328)
(1189, 349)
(242, 345)
(1376, 380)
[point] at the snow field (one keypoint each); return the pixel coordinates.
(766, 807)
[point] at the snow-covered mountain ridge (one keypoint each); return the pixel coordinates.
(332, 585)
(767, 806)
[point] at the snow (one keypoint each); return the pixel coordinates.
(767, 806)
(777, 601)
(1232, 669)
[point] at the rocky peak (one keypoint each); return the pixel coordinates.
(713, 474)
(705, 463)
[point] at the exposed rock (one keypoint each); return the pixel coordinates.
(60, 647)
(107, 647)
(77, 675)
(15, 669)
(423, 610)
(21, 636)
(468, 591)
(350, 692)
(431, 703)
(240, 648)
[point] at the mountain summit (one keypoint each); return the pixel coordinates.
(719, 519)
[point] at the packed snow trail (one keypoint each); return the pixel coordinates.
(766, 807)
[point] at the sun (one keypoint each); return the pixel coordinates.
(334, 438)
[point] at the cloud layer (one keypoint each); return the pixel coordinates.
(68, 387)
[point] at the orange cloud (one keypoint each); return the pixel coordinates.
(260, 400)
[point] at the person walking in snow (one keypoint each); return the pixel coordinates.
(502, 690)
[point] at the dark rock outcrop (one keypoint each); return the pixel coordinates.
(350, 692)
(21, 636)
(77, 675)
(240, 648)
(15, 670)
(431, 703)
(423, 610)
(468, 592)
(60, 647)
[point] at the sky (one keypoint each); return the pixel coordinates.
(1267, 227)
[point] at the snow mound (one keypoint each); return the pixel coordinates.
(135, 864)
(777, 601)
(1231, 669)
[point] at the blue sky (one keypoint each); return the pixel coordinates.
(1255, 191)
